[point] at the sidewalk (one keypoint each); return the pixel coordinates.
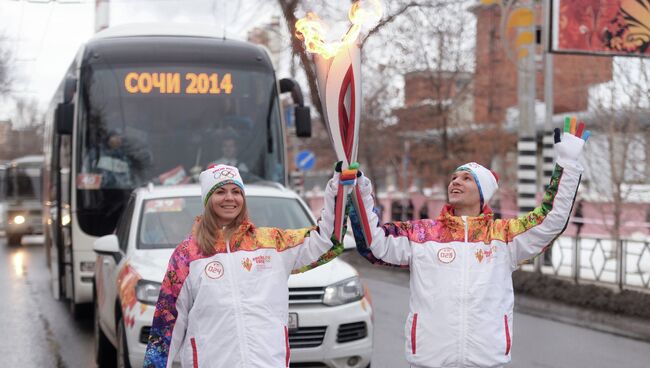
(634, 328)
(630, 327)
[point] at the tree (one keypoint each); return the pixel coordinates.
(5, 62)
(617, 157)
(381, 147)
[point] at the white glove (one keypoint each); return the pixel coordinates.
(333, 184)
(365, 185)
(568, 147)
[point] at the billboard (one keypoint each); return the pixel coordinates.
(604, 27)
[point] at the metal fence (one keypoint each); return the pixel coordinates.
(598, 260)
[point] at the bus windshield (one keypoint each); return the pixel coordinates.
(23, 183)
(165, 124)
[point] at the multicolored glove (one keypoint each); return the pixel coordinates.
(348, 176)
(568, 146)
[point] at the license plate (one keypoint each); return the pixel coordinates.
(293, 321)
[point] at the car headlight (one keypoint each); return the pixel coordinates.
(346, 291)
(147, 292)
(19, 220)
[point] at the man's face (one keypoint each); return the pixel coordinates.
(115, 141)
(229, 148)
(462, 190)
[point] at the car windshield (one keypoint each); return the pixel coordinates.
(166, 222)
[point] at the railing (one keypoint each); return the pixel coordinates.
(598, 260)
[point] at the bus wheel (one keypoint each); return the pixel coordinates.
(13, 239)
(104, 350)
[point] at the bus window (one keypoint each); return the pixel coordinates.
(165, 124)
(24, 183)
(130, 130)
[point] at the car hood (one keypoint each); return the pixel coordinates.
(327, 274)
(152, 264)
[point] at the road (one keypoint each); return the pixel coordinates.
(38, 331)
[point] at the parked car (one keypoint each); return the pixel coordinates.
(330, 315)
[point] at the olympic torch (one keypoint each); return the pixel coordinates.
(338, 74)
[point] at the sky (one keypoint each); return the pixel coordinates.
(44, 35)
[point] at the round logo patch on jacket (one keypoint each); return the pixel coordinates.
(446, 255)
(214, 270)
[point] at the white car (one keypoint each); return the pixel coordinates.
(330, 315)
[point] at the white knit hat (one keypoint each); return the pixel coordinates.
(217, 176)
(486, 180)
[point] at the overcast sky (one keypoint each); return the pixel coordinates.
(43, 36)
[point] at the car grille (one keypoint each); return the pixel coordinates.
(144, 334)
(308, 365)
(351, 332)
(306, 337)
(306, 295)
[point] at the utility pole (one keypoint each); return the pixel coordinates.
(102, 14)
(547, 142)
(523, 18)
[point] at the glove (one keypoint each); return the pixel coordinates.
(568, 146)
(348, 176)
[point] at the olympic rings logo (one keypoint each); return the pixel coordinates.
(225, 173)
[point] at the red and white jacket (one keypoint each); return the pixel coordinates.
(230, 309)
(461, 303)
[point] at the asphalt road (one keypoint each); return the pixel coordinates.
(38, 331)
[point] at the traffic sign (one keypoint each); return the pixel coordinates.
(305, 160)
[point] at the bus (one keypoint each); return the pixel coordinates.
(155, 104)
(21, 197)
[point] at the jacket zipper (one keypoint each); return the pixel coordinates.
(195, 355)
(463, 306)
(235, 293)
(414, 325)
(508, 342)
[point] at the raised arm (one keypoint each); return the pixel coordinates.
(530, 234)
(308, 248)
(390, 242)
(170, 318)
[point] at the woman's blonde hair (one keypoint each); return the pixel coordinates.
(208, 230)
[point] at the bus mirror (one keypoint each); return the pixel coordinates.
(301, 112)
(303, 121)
(63, 118)
(69, 88)
(290, 85)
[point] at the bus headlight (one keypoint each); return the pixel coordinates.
(147, 292)
(343, 292)
(65, 219)
(19, 220)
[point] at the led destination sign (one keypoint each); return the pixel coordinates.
(178, 83)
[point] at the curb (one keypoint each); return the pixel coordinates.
(630, 327)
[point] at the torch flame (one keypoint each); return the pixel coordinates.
(312, 30)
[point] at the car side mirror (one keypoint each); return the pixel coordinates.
(301, 112)
(107, 245)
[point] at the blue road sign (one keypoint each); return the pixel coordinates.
(305, 160)
(288, 116)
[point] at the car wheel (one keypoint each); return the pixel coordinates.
(122, 346)
(104, 350)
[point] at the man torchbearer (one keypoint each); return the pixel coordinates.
(461, 263)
